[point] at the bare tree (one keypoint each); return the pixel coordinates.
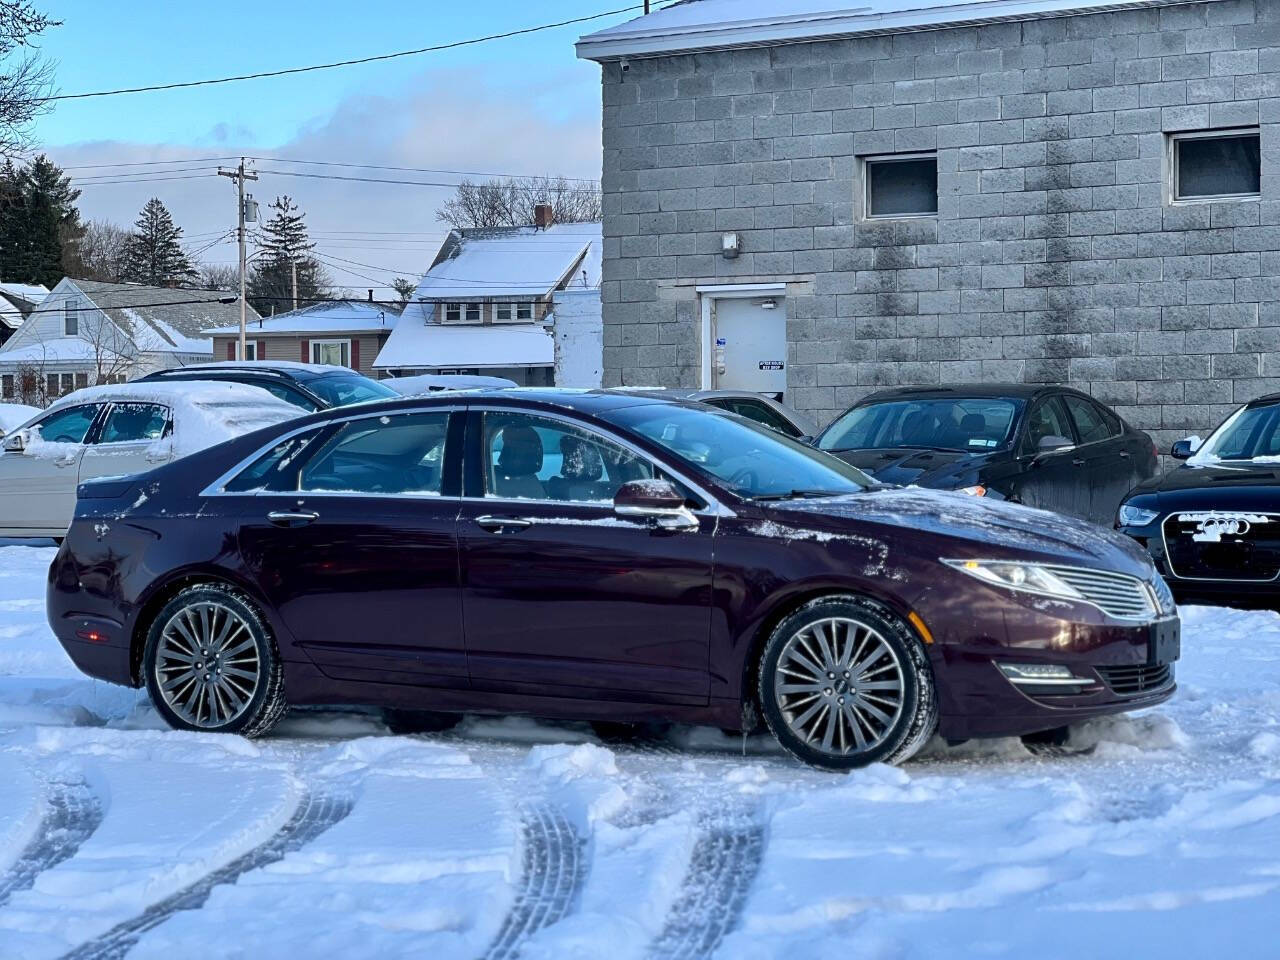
(219, 276)
(98, 254)
(509, 202)
(25, 79)
(31, 384)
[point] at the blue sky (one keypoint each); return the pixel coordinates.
(521, 105)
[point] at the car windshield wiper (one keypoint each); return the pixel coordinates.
(801, 494)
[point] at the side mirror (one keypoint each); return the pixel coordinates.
(16, 442)
(657, 500)
(1185, 448)
(1053, 443)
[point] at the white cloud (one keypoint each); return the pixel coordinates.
(446, 120)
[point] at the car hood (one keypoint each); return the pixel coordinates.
(907, 465)
(1214, 486)
(984, 529)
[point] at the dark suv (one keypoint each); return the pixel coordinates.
(309, 386)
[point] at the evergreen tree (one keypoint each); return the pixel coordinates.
(285, 244)
(39, 222)
(153, 254)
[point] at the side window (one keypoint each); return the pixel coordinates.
(277, 469)
(68, 426)
(536, 458)
(761, 413)
(396, 454)
(289, 395)
(132, 422)
(1047, 419)
(1091, 426)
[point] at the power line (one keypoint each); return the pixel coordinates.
(146, 163)
(458, 173)
(343, 63)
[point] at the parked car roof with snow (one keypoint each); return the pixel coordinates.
(114, 430)
(434, 382)
(14, 415)
(310, 386)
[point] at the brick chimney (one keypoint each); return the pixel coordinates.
(543, 216)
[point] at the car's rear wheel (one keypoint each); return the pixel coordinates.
(844, 682)
(211, 664)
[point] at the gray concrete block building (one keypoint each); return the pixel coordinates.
(823, 198)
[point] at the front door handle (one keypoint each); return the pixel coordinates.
(1078, 463)
(292, 518)
(69, 461)
(1124, 454)
(496, 524)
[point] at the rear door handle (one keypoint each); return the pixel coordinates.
(292, 518)
(69, 461)
(1078, 463)
(496, 524)
(1124, 454)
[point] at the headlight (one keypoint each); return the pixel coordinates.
(1027, 577)
(1131, 516)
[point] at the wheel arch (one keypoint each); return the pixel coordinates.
(165, 589)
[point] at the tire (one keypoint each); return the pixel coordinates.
(243, 689)
(834, 723)
(401, 722)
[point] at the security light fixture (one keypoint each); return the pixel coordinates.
(731, 245)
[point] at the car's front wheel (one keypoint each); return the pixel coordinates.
(211, 664)
(844, 682)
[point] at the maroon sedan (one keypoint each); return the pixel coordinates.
(599, 556)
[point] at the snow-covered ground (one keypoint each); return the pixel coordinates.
(512, 838)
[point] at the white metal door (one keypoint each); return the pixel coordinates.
(38, 489)
(749, 343)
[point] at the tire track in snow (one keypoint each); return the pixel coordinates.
(554, 872)
(74, 813)
(722, 867)
(315, 814)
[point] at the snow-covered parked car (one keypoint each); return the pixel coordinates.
(113, 431)
(428, 383)
(14, 415)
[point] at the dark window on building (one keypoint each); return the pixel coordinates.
(71, 318)
(1206, 166)
(901, 186)
(6, 386)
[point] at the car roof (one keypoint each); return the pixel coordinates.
(281, 369)
(1013, 391)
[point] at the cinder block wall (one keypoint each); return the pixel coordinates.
(1054, 256)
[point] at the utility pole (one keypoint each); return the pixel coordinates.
(240, 175)
(293, 266)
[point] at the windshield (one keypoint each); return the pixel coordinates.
(1251, 433)
(968, 424)
(748, 458)
(343, 389)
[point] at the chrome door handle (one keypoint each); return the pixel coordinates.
(157, 458)
(292, 518)
(65, 462)
(1124, 454)
(494, 524)
(1077, 463)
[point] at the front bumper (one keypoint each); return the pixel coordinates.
(1121, 666)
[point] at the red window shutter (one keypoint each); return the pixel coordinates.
(355, 354)
(231, 350)
(262, 350)
(306, 351)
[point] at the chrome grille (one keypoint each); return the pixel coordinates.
(1115, 593)
(1140, 678)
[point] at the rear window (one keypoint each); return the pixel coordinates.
(969, 424)
(341, 390)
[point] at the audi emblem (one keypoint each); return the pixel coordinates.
(1213, 529)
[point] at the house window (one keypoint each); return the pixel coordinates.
(68, 382)
(502, 312)
(900, 186)
(524, 311)
(336, 353)
(1217, 165)
(82, 381)
(71, 318)
(473, 313)
(51, 385)
(6, 386)
(453, 313)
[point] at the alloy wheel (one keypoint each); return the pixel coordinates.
(839, 686)
(207, 665)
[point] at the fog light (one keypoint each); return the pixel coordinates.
(1040, 673)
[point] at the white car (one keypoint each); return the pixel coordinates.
(115, 431)
(14, 415)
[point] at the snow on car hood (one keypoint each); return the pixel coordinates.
(992, 527)
(14, 415)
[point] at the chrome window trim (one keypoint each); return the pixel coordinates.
(714, 506)
(1164, 539)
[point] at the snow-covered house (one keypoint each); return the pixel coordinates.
(487, 305)
(346, 333)
(17, 300)
(87, 332)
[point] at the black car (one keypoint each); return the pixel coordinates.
(1048, 447)
(309, 386)
(1212, 524)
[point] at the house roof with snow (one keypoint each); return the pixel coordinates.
(435, 346)
(17, 300)
(339, 316)
(165, 320)
(694, 25)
